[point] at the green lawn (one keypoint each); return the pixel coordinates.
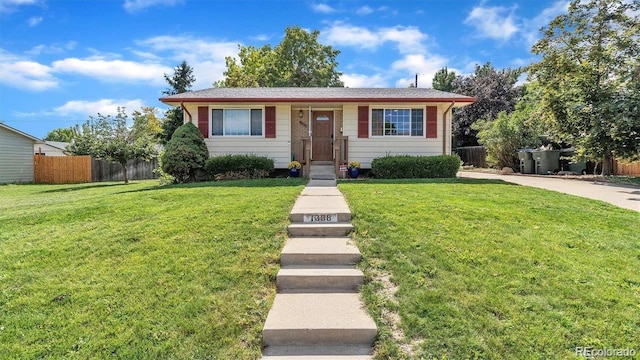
(462, 269)
(139, 271)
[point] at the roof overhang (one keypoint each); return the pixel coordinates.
(458, 101)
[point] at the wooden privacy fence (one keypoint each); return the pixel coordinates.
(62, 169)
(622, 168)
(103, 170)
(84, 169)
(473, 155)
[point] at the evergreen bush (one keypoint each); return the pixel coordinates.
(238, 166)
(412, 167)
(185, 154)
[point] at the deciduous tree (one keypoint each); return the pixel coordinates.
(108, 137)
(146, 122)
(495, 91)
(504, 136)
(588, 74)
(60, 134)
(298, 61)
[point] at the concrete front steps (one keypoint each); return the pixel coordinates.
(322, 170)
(317, 312)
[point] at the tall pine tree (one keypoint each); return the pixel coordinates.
(180, 82)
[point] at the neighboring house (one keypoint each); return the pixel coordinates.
(366, 123)
(16, 155)
(51, 148)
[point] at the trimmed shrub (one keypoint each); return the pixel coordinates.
(185, 154)
(412, 167)
(238, 167)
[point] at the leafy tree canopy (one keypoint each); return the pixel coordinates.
(495, 92)
(504, 136)
(298, 61)
(60, 134)
(108, 137)
(146, 123)
(589, 77)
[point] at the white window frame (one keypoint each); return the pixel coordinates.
(385, 108)
(224, 122)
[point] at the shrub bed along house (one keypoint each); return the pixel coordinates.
(238, 167)
(406, 166)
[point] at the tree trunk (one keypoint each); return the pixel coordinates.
(124, 170)
(606, 165)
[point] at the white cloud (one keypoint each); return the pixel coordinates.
(350, 35)
(55, 48)
(363, 81)
(146, 55)
(322, 8)
(261, 37)
(364, 10)
(102, 106)
(492, 22)
(206, 57)
(409, 39)
(8, 6)
(424, 66)
(113, 70)
(531, 28)
(132, 6)
(34, 21)
(24, 73)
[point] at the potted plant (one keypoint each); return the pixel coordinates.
(354, 169)
(294, 168)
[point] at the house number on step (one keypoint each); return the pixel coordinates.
(321, 218)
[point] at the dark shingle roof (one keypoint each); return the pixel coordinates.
(317, 95)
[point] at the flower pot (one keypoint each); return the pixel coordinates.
(354, 172)
(294, 172)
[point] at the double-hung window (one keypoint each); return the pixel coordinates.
(397, 122)
(237, 122)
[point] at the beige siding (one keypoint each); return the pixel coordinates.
(365, 150)
(48, 150)
(16, 157)
(278, 149)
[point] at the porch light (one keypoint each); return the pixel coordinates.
(300, 114)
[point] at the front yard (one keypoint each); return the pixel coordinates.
(456, 269)
(139, 271)
(485, 269)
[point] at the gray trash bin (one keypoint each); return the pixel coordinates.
(526, 162)
(546, 161)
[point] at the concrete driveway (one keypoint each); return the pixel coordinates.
(623, 196)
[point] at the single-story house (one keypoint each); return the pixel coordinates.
(16, 155)
(51, 148)
(320, 124)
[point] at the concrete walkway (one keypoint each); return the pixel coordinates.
(317, 312)
(621, 196)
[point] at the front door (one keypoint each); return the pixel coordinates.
(322, 135)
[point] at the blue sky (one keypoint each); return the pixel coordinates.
(62, 61)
